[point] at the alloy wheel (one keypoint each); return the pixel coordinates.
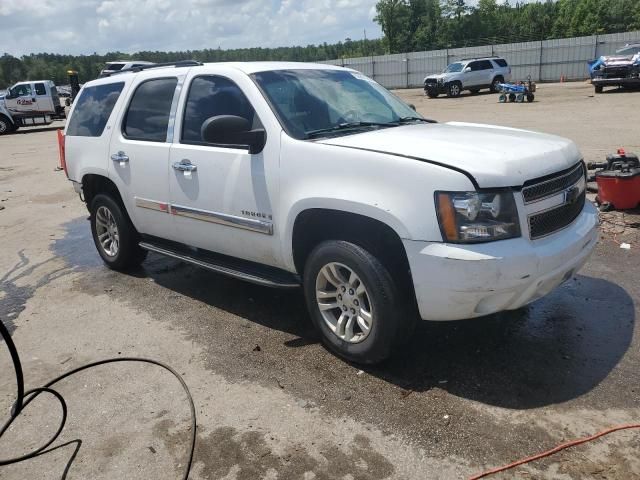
(344, 302)
(107, 231)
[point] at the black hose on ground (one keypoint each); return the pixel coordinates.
(23, 399)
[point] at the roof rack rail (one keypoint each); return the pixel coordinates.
(478, 58)
(139, 68)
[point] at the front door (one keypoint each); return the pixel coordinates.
(139, 154)
(22, 100)
(222, 199)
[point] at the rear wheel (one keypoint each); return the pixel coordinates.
(530, 97)
(114, 235)
(502, 98)
(354, 302)
(495, 85)
(512, 97)
(520, 98)
(6, 126)
(454, 89)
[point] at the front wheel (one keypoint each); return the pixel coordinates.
(354, 302)
(454, 89)
(6, 126)
(599, 88)
(114, 235)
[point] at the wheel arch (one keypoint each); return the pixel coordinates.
(95, 183)
(313, 225)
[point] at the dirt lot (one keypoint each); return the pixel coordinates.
(271, 402)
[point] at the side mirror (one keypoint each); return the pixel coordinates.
(467, 70)
(233, 130)
(413, 107)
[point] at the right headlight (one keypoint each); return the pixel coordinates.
(472, 217)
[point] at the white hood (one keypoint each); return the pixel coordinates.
(494, 156)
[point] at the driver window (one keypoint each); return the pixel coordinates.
(23, 90)
(210, 96)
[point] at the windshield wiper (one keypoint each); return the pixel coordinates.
(347, 126)
(413, 119)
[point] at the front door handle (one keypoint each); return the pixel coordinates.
(184, 166)
(120, 157)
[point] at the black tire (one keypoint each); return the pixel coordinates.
(431, 94)
(530, 97)
(599, 88)
(6, 125)
(454, 89)
(391, 318)
(512, 97)
(495, 84)
(128, 254)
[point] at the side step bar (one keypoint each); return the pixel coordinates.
(232, 267)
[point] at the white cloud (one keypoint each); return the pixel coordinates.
(85, 26)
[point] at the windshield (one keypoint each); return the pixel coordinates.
(628, 51)
(454, 68)
(308, 102)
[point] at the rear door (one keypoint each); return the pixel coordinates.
(485, 72)
(139, 151)
(44, 100)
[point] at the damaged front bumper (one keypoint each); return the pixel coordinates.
(454, 282)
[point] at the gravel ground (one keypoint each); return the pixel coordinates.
(271, 402)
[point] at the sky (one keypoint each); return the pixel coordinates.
(87, 26)
(101, 26)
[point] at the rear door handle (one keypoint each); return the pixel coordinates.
(120, 157)
(184, 166)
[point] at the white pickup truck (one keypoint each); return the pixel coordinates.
(29, 103)
(289, 175)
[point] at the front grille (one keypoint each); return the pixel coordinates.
(550, 221)
(616, 72)
(535, 190)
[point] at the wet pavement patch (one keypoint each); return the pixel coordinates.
(247, 455)
(76, 246)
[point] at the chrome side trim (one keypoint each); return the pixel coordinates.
(151, 205)
(218, 268)
(224, 219)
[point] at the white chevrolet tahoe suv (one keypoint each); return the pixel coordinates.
(291, 174)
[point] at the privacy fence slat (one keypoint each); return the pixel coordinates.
(544, 61)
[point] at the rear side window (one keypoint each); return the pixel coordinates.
(210, 96)
(93, 108)
(40, 89)
(148, 115)
(485, 65)
(501, 62)
(114, 66)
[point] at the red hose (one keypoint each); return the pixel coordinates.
(560, 447)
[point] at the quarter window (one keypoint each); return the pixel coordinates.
(210, 96)
(92, 109)
(501, 62)
(148, 115)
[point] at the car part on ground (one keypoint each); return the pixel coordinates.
(618, 180)
(471, 74)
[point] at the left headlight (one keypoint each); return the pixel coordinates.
(472, 217)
